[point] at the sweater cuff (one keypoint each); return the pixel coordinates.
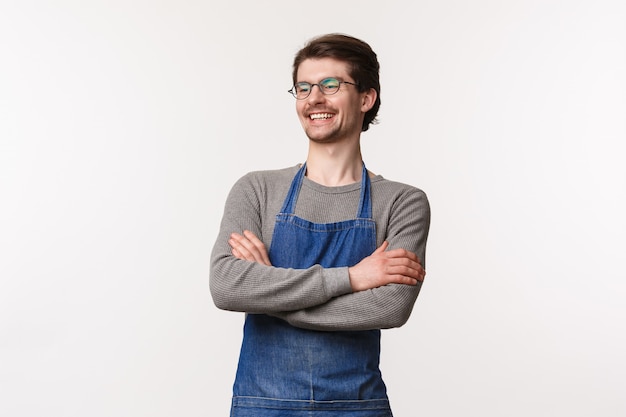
(337, 281)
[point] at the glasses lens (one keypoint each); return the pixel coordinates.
(302, 90)
(329, 85)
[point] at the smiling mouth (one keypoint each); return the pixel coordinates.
(321, 116)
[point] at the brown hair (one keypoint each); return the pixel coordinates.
(362, 61)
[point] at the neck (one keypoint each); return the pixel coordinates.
(333, 166)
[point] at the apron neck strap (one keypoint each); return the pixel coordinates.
(365, 200)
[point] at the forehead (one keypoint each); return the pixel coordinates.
(313, 70)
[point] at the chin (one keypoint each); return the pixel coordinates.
(321, 137)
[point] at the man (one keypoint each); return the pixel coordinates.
(345, 258)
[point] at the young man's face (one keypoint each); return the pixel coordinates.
(336, 117)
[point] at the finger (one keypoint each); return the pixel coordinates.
(381, 248)
(402, 253)
(407, 262)
(411, 270)
(249, 251)
(403, 279)
(243, 246)
(412, 278)
(237, 240)
(240, 251)
(237, 253)
(408, 276)
(259, 245)
(257, 248)
(244, 242)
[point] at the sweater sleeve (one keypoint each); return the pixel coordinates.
(383, 307)
(240, 285)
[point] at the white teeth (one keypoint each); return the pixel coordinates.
(316, 116)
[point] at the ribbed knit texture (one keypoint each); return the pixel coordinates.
(316, 298)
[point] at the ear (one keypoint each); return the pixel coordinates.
(369, 98)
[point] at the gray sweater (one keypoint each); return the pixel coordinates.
(316, 298)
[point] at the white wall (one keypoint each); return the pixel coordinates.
(123, 125)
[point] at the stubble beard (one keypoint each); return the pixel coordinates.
(327, 137)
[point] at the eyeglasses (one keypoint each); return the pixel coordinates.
(327, 86)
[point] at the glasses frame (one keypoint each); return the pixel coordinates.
(294, 92)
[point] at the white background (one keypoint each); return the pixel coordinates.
(123, 124)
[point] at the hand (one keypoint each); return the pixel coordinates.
(249, 247)
(398, 266)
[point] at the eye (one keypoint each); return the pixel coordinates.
(330, 84)
(303, 87)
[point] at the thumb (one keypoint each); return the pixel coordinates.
(382, 247)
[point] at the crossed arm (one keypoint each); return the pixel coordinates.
(398, 266)
(378, 292)
(368, 306)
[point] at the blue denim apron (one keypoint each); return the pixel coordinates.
(288, 371)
